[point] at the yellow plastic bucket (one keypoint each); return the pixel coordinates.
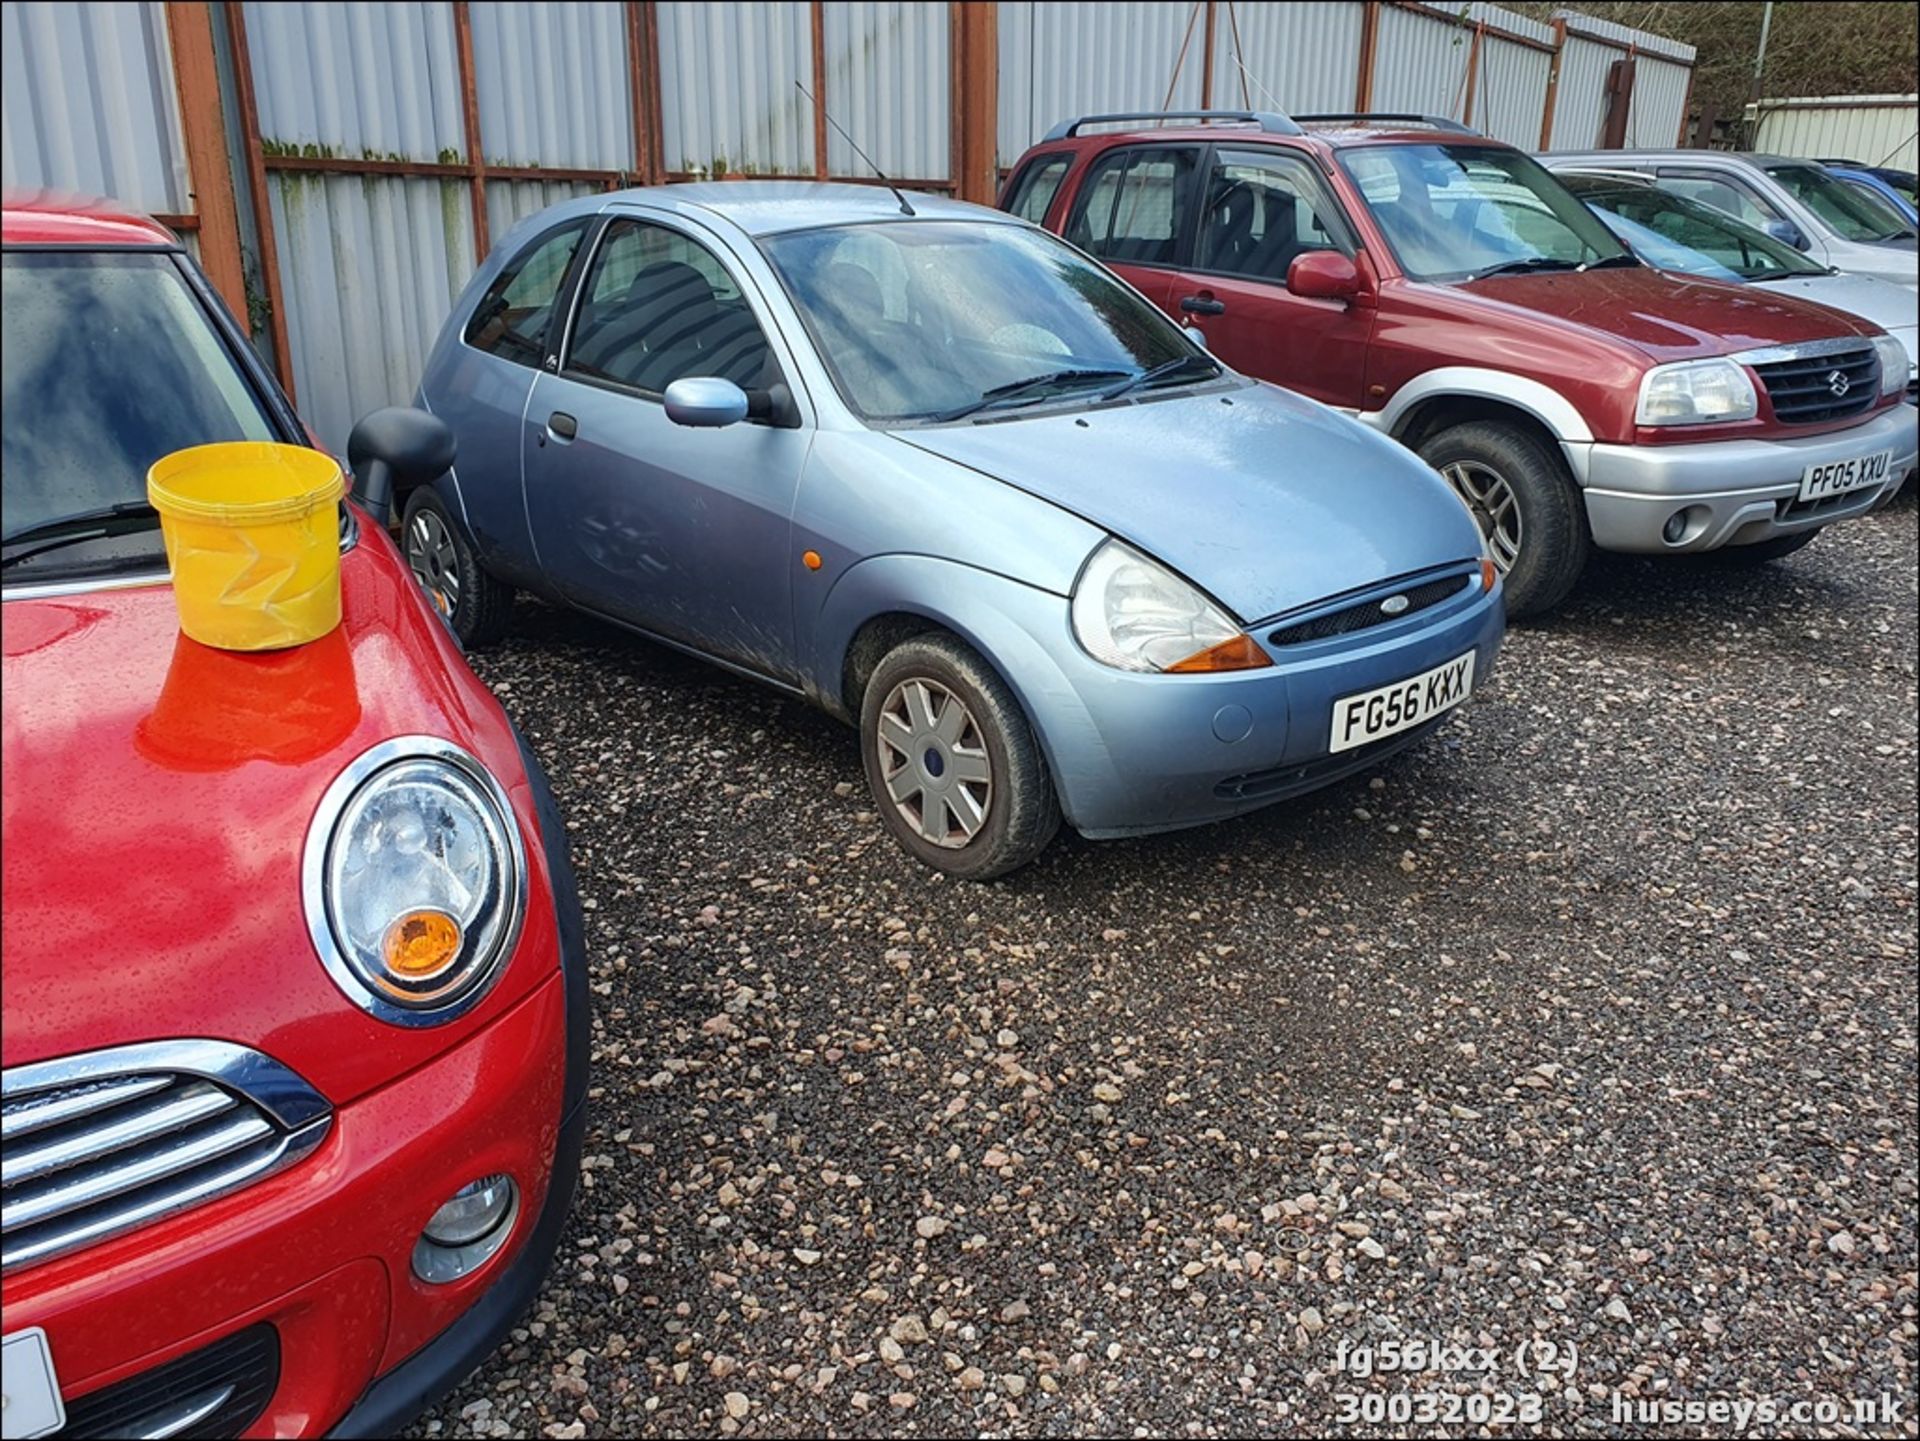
(253, 536)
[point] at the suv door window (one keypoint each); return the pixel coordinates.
(1032, 192)
(1133, 203)
(512, 318)
(1722, 194)
(1263, 209)
(658, 306)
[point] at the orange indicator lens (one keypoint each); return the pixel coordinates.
(421, 944)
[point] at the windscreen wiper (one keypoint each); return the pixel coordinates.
(122, 518)
(1610, 262)
(1521, 267)
(1014, 389)
(1166, 370)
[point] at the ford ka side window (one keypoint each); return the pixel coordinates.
(1132, 204)
(513, 317)
(657, 307)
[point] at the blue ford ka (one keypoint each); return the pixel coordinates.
(938, 472)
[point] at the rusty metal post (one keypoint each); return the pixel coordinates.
(1473, 69)
(1369, 47)
(257, 190)
(974, 40)
(470, 119)
(196, 80)
(643, 84)
(1553, 83)
(1206, 57)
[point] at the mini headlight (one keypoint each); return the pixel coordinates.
(1895, 367)
(1135, 614)
(414, 880)
(1696, 392)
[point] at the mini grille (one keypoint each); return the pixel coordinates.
(218, 1390)
(1368, 612)
(91, 1151)
(1813, 388)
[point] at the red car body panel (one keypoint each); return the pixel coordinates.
(1588, 335)
(160, 792)
(157, 799)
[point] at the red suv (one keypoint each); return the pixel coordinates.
(1446, 289)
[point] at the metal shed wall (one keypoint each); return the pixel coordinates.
(727, 97)
(1872, 129)
(88, 104)
(1295, 57)
(1059, 59)
(1422, 63)
(528, 119)
(890, 83)
(1510, 91)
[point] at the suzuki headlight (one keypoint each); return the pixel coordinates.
(1894, 364)
(1696, 392)
(1134, 613)
(414, 881)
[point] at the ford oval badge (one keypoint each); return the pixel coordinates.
(1394, 605)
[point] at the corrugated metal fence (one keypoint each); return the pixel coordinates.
(389, 144)
(1872, 129)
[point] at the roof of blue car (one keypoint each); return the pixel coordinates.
(766, 207)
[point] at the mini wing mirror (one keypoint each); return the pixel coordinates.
(1787, 231)
(706, 402)
(394, 447)
(1323, 275)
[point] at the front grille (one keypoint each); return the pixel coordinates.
(98, 1144)
(1367, 613)
(1807, 389)
(218, 1390)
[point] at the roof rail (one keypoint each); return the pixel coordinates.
(1270, 121)
(1438, 122)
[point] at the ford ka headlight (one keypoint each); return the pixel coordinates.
(414, 881)
(1696, 392)
(1135, 614)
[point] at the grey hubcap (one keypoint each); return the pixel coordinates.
(1495, 509)
(935, 763)
(433, 561)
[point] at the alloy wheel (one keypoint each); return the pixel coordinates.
(1496, 510)
(433, 560)
(935, 763)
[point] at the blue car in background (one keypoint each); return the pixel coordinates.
(936, 471)
(1892, 187)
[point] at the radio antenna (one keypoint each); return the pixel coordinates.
(905, 209)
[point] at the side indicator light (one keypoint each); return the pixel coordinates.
(811, 559)
(1489, 573)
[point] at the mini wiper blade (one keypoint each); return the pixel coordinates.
(1521, 267)
(1166, 370)
(122, 518)
(1014, 389)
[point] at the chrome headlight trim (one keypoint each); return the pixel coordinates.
(321, 832)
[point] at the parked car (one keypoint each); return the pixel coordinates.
(1685, 236)
(1451, 293)
(295, 1001)
(1866, 179)
(927, 467)
(1904, 183)
(1792, 200)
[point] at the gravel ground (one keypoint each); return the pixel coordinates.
(1590, 1022)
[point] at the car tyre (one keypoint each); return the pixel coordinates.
(1525, 502)
(1763, 551)
(936, 770)
(476, 606)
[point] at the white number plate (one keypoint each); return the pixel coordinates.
(1837, 477)
(1373, 714)
(32, 1393)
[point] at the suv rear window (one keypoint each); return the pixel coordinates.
(1132, 204)
(1031, 195)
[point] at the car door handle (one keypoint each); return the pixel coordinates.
(563, 425)
(1202, 304)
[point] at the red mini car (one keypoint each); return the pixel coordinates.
(265, 1173)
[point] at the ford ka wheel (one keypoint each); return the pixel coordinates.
(954, 767)
(476, 606)
(1494, 507)
(1523, 498)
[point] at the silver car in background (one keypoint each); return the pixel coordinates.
(1797, 201)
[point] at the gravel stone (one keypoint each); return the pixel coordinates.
(1648, 990)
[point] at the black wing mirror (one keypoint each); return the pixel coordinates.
(395, 447)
